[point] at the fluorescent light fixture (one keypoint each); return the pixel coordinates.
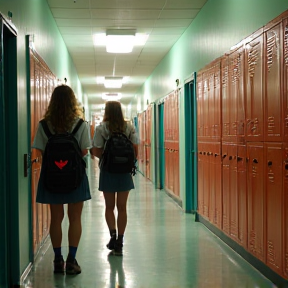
(111, 96)
(120, 40)
(113, 82)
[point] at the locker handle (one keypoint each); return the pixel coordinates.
(239, 158)
(209, 153)
(224, 156)
(230, 157)
(200, 152)
(269, 163)
(286, 166)
(255, 161)
(204, 153)
(35, 160)
(216, 155)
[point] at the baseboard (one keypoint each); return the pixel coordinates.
(259, 265)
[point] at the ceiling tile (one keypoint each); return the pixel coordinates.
(71, 13)
(179, 14)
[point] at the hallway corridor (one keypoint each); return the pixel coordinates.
(163, 247)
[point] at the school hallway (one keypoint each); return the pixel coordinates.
(163, 247)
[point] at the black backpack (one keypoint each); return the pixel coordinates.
(63, 166)
(118, 155)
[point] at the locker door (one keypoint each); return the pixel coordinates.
(206, 116)
(217, 102)
(211, 104)
(285, 82)
(200, 112)
(273, 82)
(200, 179)
(256, 200)
(218, 184)
(242, 194)
(233, 193)
(274, 205)
(226, 185)
(212, 184)
(225, 98)
(254, 87)
(285, 212)
(206, 184)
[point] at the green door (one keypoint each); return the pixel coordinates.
(191, 145)
(9, 240)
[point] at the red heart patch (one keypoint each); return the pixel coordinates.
(61, 164)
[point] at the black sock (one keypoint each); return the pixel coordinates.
(113, 233)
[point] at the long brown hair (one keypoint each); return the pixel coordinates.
(113, 114)
(63, 109)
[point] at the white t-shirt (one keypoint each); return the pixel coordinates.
(82, 136)
(102, 134)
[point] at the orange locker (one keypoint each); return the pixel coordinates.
(256, 200)
(254, 57)
(225, 97)
(206, 184)
(215, 173)
(225, 188)
(285, 212)
(200, 178)
(285, 78)
(217, 160)
(200, 107)
(273, 81)
(242, 194)
(217, 127)
(212, 183)
(236, 96)
(274, 205)
(206, 116)
(233, 193)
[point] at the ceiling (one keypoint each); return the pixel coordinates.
(78, 20)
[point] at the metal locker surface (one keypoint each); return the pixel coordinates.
(274, 205)
(225, 98)
(206, 185)
(242, 194)
(273, 43)
(217, 127)
(285, 211)
(256, 200)
(200, 179)
(285, 78)
(225, 188)
(212, 183)
(200, 107)
(254, 57)
(233, 193)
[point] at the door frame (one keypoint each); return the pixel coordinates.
(9, 198)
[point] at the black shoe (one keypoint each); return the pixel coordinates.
(72, 267)
(118, 248)
(59, 265)
(111, 243)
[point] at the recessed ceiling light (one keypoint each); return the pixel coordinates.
(111, 96)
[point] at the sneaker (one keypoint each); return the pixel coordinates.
(111, 243)
(59, 265)
(118, 249)
(72, 267)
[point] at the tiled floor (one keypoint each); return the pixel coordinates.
(163, 247)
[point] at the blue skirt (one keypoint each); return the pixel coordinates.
(82, 193)
(112, 182)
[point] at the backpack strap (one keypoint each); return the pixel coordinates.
(77, 126)
(46, 128)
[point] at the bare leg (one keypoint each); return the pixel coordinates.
(122, 211)
(75, 226)
(57, 215)
(109, 210)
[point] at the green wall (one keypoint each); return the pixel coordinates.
(220, 25)
(34, 17)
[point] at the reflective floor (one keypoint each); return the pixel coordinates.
(163, 247)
